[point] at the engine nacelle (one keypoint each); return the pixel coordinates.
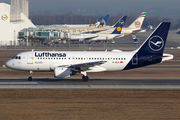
(62, 72)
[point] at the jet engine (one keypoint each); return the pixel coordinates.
(63, 72)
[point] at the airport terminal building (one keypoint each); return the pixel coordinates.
(13, 18)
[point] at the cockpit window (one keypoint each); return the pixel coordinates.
(16, 57)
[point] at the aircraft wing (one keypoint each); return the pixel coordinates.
(87, 38)
(85, 66)
(138, 31)
(97, 31)
(119, 36)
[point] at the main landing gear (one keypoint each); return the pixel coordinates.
(30, 76)
(85, 78)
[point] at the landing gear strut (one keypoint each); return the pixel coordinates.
(85, 78)
(30, 76)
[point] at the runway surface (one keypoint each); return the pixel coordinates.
(122, 83)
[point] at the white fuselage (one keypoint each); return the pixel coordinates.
(81, 29)
(125, 31)
(93, 37)
(48, 60)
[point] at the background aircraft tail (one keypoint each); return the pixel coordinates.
(98, 22)
(121, 20)
(155, 43)
(104, 21)
(138, 22)
(118, 29)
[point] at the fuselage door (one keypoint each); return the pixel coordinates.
(30, 58)
(135, 60)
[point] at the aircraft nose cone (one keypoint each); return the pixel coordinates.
(7, 64)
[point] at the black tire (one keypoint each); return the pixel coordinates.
(30, 78)
(85, 78)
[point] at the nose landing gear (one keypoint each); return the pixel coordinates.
(30, 76)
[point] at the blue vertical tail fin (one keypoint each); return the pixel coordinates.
(104, 21)
(121, 20)
(98, 21)
(151, 51)
(118, 29)
(155, 43)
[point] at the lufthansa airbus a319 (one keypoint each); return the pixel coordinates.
(67, 63)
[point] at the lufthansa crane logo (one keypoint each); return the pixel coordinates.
(156, 43)
(122, 21)
(4, 17)
(118, 28)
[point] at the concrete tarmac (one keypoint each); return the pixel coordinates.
(121, 83)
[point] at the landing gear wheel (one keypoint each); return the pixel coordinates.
(85, 78)
(30, 78)
(30, 75)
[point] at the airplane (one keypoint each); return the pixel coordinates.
(67, 63)
(103, 22)
(96, 24)
(98, 37)
(89, 29)
(132, 29)
(135, 27)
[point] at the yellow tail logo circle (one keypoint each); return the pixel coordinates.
(118, 28)
(100, 26)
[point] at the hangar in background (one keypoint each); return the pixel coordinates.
(13, 18)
